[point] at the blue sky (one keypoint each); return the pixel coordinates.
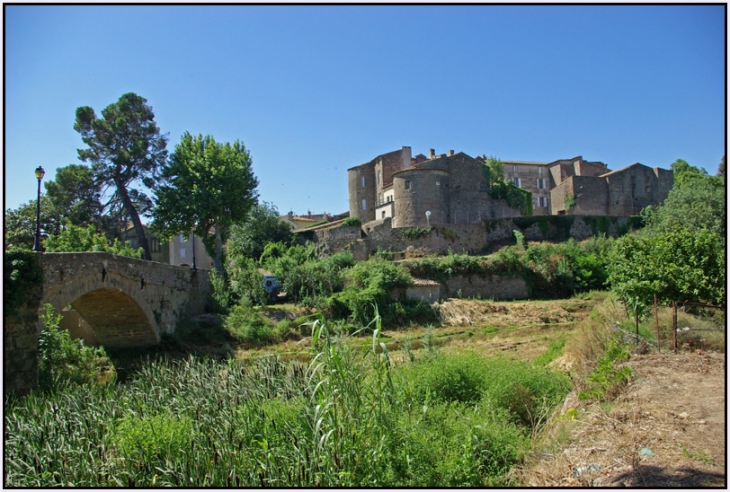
(315, 90)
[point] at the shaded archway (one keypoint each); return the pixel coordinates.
(116, 319)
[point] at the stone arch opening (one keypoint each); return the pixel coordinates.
(116, 319)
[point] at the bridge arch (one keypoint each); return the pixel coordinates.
(116, 319)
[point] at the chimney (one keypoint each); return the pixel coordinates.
(431, 153)
(450, 153)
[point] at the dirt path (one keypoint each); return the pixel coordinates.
(667, 429)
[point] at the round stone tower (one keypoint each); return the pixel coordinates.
(361, 187)
(417, 191)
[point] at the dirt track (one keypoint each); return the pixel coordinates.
(666, 429)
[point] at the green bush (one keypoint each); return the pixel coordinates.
(63, 360)
(370, 285)
(414, 232)
(316, 279)
(20, 275)
(75, 238)
(246, 282)
(246, 325)
(220, 298)
(352, 222)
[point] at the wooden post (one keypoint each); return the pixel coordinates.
(636, 318)
(674, 324)
(656, 319)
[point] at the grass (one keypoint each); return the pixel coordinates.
(348, 417)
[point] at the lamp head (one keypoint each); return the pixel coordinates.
(39, 172)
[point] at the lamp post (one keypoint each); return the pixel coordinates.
(428, 217)
(193, 234)
(39, 172)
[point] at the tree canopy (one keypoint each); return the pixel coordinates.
(248, 239)
(696, 200)
(125, 149)
(680, 254)
(75, 238)
(206, 187)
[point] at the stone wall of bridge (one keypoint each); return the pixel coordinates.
(126, 302)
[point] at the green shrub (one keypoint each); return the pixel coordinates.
(76, 238)
(246, 325)
(220, 298)
(20, 275)
(606, 379)
(352, 222)
(63, 360)
(414, 232)
(370, 285)
(315, 279)
(246, 282)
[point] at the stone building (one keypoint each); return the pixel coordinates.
(423, 191)
(541, 177)
(617, 193)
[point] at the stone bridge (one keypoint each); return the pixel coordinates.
(125, 302)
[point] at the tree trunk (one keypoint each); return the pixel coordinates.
(218, 259)
(132, 211)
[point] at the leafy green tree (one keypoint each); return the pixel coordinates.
(249, 239)
(74, 238)
(206, 186)
(125, 149)
(76, 194)
(20, 223)
(680, 264)
(696, 200)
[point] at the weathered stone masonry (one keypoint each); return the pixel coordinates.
(126, 301)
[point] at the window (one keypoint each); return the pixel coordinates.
(389, 198)
(380, 198)
(383, 214)
(540, 183)
(514, 168)
(364, 204)
(362, 179)
(183, 238)
(438, 183)
(516, 182)
(380, 177)
(408, 185)
(182, 252)
(155, 245)
(542, 202)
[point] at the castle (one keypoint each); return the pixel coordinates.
(452, 188)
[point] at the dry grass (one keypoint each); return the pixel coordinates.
(674, 407)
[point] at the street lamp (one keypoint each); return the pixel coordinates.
(39, 172)
(193, 234)
(428, 216)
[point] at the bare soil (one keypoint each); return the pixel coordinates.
(666, 429)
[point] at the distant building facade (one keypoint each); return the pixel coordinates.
(451, 188)
(178, 251)
(423, 191)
